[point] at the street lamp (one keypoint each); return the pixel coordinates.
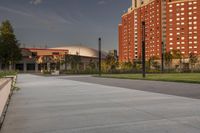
(99, 56)
(162, 57)
(143, 51)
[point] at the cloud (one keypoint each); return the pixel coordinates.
(36, 2)
(14, 11)
(101, 2)
(47, 19)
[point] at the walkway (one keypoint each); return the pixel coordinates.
(60, 105)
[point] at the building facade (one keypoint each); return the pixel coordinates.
(60, 58)
(169, 25)
(183, 26)
(40, 59)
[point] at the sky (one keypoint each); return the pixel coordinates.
(53, 23)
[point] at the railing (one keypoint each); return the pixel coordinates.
(5, 93)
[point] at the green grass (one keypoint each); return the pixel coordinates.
(7, 73)
(175, 77)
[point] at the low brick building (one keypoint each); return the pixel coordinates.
(47, 59)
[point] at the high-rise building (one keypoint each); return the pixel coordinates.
(183, 26)
(169, 25)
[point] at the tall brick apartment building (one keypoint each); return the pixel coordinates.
(169, 25)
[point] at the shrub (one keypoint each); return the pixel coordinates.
(7, 73)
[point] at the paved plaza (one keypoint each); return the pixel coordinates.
(63, 105)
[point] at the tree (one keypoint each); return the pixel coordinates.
(193, 59)
(73, 60)
(168, 59)
(176, 54)
(92, 65)
(10, 52)
(153, 62)
(137, 64)
(127, 66)
(57, 60)
(111, 62)
(67, 60)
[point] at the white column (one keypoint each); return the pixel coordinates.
(25, 67)
(48, 67)
(36, 67)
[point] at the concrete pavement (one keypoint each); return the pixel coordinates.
(170, 88)
(55, 105)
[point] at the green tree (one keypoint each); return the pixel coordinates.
(92, 65)
(73, 60)
(111, 62)
(176, 54)
(76, 60)
(10, 52)
(153, 63)
(67, 60)
(137, 64)
(193, 59)
(127, 66)
(168, 59)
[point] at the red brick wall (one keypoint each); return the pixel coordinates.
(151, 14)
(182, 29)
(126, 41)
(198, 26)
(181, 26)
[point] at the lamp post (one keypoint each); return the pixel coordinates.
(99, 56)
(65, 61)
(143, 51)
(162, 58)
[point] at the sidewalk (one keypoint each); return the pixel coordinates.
(53, 105)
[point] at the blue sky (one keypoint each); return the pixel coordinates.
(65, 22)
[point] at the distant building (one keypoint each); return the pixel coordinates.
(37, 59)
(170, 25)
(46, 59)
(87, 55)
(183, 26)
(82, 51)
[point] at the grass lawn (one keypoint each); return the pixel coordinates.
(7, 73)
(175, 77)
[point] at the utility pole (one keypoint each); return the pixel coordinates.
(99, 56)
(143, 51)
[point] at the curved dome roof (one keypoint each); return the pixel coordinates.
(82, 51)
